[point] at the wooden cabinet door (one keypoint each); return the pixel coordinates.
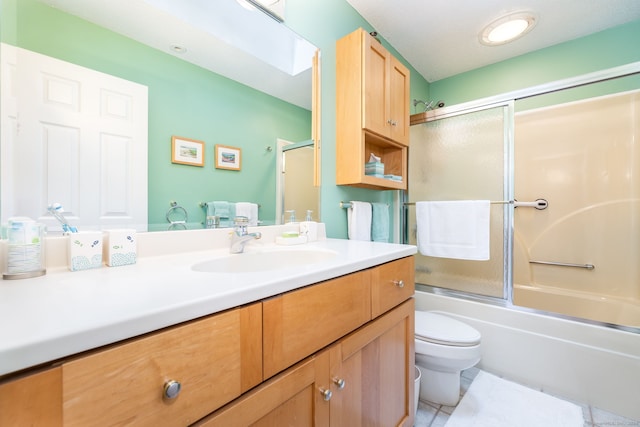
(215, 359)
(375, 87)
(299, 323)
(399, 81)
(376, 364)
(291, 399)
(34, 400)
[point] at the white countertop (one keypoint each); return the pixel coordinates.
(63, 312)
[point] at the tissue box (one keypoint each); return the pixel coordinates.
(121, 247)
(85, 250)
(374, 168)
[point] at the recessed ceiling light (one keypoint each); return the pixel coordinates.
(507, 28)
(176, 48)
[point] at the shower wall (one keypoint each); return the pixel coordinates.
(584, 159)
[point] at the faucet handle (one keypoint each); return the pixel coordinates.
(241, 220)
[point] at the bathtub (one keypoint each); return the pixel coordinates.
(586, 363)
(584, 305)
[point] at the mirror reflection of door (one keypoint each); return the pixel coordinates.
(296, 191)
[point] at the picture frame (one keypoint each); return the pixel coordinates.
(228, 157)
(187, 151)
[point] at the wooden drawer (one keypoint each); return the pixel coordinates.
(34, 400)
(215, 359)
(299, 323)
(391, 283)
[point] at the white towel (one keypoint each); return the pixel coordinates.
(250, 210)
(359, 221)
(457, 229)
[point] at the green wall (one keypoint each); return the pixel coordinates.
(184, 100)
(220, 111)
(599, 51)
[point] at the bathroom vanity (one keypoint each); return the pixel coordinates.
(327, 342)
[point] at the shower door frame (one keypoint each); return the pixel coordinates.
(508, 100)
(508, 109)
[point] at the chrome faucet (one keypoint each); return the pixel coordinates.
(240, 236)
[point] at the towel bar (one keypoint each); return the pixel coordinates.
(347, 205)
(539, 204)
(204, 205)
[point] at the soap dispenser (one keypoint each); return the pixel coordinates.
(309, 228)
(292, 216)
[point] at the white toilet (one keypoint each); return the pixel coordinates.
(444, 347)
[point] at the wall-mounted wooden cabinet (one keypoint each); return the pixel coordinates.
(372, 112)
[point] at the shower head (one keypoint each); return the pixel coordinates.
(427, 105)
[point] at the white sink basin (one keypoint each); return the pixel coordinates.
(265, 260)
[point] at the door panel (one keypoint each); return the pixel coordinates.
(81, 141)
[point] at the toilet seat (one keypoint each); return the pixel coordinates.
(444, 330)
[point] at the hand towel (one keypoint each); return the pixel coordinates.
(380, 222)
(223, 209)
(359, 221)
(211, 210)
(250, 210)
(220, 208)
(456, 229)
(228, 221)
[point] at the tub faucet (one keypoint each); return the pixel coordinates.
(240, 236)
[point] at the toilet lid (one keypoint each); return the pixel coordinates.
(440, 329)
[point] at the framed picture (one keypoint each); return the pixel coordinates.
(187, 151)
(228, 157)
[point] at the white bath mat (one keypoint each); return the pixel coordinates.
(494, 402)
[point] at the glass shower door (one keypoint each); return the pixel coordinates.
(463, 157)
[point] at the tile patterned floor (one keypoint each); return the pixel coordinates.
(433, 415)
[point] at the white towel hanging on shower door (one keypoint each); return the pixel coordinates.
(454, 229)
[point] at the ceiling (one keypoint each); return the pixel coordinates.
(439, 38)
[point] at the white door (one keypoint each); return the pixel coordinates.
(79, 138)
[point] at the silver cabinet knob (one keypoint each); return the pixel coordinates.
(399, 283)
(171, 389)
(339, 382)
(326, 394)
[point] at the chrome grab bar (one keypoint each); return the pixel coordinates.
(562, 264)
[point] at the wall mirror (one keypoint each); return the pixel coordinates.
(295, 192)
(200, 87)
